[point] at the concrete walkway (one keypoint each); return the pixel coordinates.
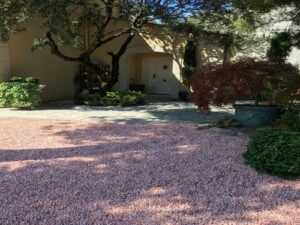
(154, 112)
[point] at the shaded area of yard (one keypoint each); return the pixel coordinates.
(154, 112)
(58, 172)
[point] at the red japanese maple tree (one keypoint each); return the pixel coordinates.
(276, 83)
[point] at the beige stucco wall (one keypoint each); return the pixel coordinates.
(4, 61)
(161, 40)
(58, 75)
(52, 71)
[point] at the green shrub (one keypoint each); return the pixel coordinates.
(91, 100)
(290, 120)
(132, 98)
(20, 92)
(281, 46)
(114, 98)
(276, 152)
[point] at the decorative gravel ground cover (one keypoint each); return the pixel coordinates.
(85, 173)
(158, 112)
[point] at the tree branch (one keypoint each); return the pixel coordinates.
(137, 23)
(125, 45)
(114, 36)
(56, 51)
(104, 41)
(109, 10)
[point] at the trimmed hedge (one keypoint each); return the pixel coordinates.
(276, 152)
(20, 92)
(115, 98)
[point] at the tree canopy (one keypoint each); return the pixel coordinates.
(86, 25)
(291, 15)
(13, 13)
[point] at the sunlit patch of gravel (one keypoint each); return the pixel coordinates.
(78, 173)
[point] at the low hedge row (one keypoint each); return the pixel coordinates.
(115, 98)
(20, 92)
(275, 151)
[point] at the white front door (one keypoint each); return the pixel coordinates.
(157, 74)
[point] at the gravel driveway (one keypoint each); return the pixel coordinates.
(85, 173)
(161, 112)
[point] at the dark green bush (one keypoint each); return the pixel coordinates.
(132, 98)
(276, 152)
(91, 99)
(281, 46)
(114, 98)
(290, 119)
(20, 92)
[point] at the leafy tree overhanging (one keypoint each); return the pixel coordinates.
(86, 25)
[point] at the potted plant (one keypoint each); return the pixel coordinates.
(257, 89)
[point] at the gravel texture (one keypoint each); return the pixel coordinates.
(161, 112)
(79, 173)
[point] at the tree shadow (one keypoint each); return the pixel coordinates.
(167, 112)
(162, 112)
(158, 174)
(189, 115)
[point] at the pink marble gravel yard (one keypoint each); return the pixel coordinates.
(77, 173)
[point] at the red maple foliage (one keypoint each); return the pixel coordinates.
(245, 80)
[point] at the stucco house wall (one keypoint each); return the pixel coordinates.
(4, 61)
(17, 59)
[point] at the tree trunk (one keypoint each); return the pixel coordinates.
(115, 63)
(226, 53)
(115, 72)
(90, 72)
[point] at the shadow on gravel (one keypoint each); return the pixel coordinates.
(141, 175)
(155, 112)
(183, 115)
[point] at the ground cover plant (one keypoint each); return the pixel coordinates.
(20, 92)
(276, 152)
(114, 98)
(290, 119)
